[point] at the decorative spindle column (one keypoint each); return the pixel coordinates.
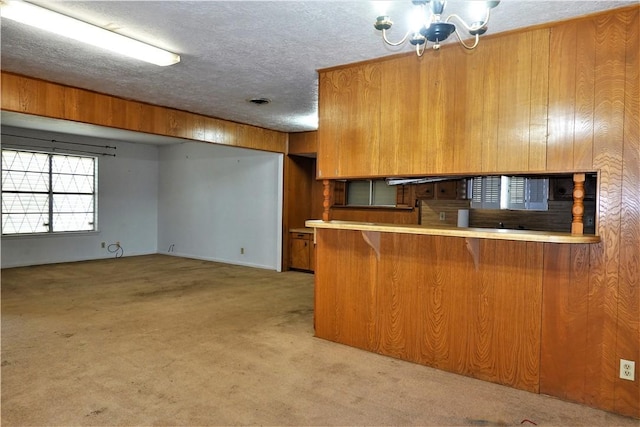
(326, 203)
(577, 225)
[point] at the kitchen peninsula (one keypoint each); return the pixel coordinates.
(546, 312)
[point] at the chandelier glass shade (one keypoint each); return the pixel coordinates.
(436, 29)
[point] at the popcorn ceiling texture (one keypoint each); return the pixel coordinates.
(233, 51)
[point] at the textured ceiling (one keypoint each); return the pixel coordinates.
(232, 51)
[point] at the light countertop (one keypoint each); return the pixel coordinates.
(480, 233)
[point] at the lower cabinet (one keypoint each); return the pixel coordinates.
(301, 251)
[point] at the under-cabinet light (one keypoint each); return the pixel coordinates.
(66, 26)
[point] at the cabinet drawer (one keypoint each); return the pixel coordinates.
(446, 190)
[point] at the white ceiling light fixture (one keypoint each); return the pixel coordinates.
(45, 19)
(432, 28)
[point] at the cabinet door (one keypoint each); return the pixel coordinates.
(299, 253)
(400, 149)
(349, 122)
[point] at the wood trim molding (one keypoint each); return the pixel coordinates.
(28, 95)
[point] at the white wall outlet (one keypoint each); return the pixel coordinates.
(442, 216)
(103, 245)
(627, 370)
(241, 251)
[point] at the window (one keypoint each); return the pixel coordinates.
(370, 193)
(510, 192)
(47, 193)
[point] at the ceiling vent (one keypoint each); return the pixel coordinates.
(260, 101)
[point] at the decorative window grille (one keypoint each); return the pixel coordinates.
(47, 192)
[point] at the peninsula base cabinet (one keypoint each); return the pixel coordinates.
(502, 311)
(463, 307)
(301, 251)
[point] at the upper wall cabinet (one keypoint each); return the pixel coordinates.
(350, 106)
(451, 111)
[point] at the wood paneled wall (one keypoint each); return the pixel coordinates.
(386, 216)
(41, 98)
(480, 320)
(303, 143)
(561, 98)
(591, 306)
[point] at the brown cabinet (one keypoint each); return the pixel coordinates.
(453, 113)
(444, 190)
(301, 251)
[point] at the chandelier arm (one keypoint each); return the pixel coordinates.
(466, 46)
(386, 40)
(475, 25)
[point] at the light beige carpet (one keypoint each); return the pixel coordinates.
(160, 340)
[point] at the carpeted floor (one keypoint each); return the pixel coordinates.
(160, 340)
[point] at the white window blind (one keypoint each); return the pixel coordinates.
(538, 194)
(510, 192)
(486, 192)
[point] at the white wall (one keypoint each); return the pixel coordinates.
(215, 200)
(127, 206)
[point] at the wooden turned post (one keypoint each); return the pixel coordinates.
(326, 203)
(577, 225)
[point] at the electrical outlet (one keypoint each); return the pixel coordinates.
(103, 245)
(241, 251)
(442, 216)
(118, 244)
(627, 370)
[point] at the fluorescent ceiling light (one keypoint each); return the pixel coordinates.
(54, 22)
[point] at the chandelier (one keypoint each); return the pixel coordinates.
(433, 28)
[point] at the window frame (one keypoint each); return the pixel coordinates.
(372, 193)
(51, 212)
(508, 192)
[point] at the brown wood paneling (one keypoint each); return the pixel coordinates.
(564, 321)
(514, 98)
(385, 216)
(32, 96)
(602, 366)
(400, 99)
(562, 81)
(350, 112)
(332, 106)
(491, 104)
(437, 92)
(627, 393)
(539, 114)
(345, 294)
(593, 125)
(468, 110)
(584, 97)
(603, 136)
(481, 320)
(361, 155)
(303, 143)
(397, 301)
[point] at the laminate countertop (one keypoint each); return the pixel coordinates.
(305, 230)
(479, 233)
